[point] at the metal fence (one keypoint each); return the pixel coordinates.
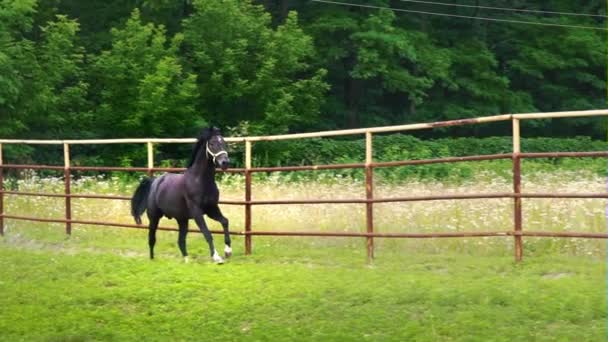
(368, 165)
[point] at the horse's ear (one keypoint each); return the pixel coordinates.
(205, 134)
(216, 131)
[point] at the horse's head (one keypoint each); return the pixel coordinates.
(216, 147)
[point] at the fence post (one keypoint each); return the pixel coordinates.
(150, 158)
(66, 177)
(1, 194)
(369, 194)
(247, 197)
(517, 214)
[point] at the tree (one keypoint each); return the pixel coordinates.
(16, 54)
(249, 71)
(402, 61)
(379, 71)
(474, 87)
(142, 87)
(43, 89)
(563, 70)
(71, 68)
(59, 107)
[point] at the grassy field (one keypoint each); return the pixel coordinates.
(99, 285)
(586, 215)
(63, 291)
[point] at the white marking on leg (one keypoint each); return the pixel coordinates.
(186, 260)
(227, 251)
(217, 258)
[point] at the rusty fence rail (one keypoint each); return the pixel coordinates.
(368, 165)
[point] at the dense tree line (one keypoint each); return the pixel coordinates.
(163, 68)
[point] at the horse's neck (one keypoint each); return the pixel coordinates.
(202, 168)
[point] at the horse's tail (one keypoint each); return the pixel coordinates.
(140, 199)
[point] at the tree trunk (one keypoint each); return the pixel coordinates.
(284, 10)
(411, 112)
(187, 8)
(352, 93)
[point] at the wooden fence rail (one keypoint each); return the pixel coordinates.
(369, 165)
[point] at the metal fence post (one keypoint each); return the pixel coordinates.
(150, 158)
(369, 194)
(66, 177)
(1, 194)
(517, 214)
(247, 197)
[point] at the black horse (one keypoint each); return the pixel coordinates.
(188, 195)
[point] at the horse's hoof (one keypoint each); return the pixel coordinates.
(217, 258)
(227, 252)
(186, 260)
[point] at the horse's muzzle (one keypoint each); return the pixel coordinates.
(224, 164)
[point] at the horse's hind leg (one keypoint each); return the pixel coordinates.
(215, 213)
(181, 240)
(152, 233)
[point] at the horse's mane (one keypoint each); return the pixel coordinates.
(201, 142)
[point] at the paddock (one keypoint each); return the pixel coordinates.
(368, 165)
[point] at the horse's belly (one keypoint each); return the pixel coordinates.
(174, 207)
(171, 202)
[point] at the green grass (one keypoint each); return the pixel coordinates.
(99, 285)
(63, 290)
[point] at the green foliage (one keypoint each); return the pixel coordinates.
(561, 70)
(158, 68)
(398, 147)
(406, 147)
(144, 89)
(43, 90)
(474, 88)
(59, 106)
(384, 49)
(250, 71)
(15, 56)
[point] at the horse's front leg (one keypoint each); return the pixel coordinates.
(197, 214)
(215, 213)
